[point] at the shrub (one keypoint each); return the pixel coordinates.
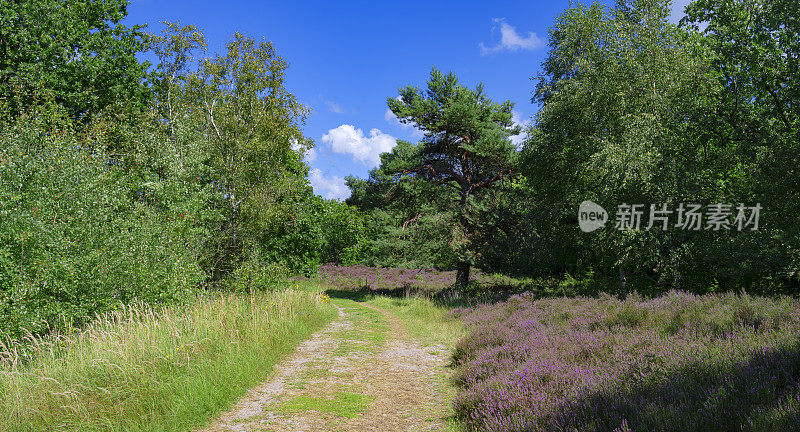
(677, 362)
(254, 276)
(73, 241)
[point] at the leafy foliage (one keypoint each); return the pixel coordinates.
(408, 222)
(74, 241)
(251, 122)
(756, 46)
(77, 50)
(633, 110)
(466, 149)
(201, 188)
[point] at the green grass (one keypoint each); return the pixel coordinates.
(424, 320)
(343, 404)
(430, 324)
(368, 333)
(142, 369)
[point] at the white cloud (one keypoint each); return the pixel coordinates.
(331, 105)
(510, 40)
(518, 139)
(393, 120)
(330, 188)
(347, 139)
(334, 107)
(309, 154)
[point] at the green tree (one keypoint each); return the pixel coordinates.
(344, 233)
(77, 50)
(617, 88)
(409, 220)
(174, 49)
(638, 110)
(79, 233)
(756, 62)
(466, 148)
(252, 122)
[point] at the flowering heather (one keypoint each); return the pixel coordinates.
(680, 362)
(388, 279)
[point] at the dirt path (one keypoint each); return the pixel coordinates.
(360, 373)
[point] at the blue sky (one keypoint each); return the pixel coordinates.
(346, 58)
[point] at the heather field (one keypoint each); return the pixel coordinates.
(680, 362)
(389, 280)
(547, 360)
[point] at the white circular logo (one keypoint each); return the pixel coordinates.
(591, 216)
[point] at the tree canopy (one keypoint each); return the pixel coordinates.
(466, 147)
(76, 50)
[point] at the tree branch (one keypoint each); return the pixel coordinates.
(491, 180)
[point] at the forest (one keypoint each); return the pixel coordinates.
(164, 186)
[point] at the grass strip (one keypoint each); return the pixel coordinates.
(143, 369)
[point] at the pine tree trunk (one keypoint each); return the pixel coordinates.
(462, 274)
(623, 281)
(462, 267)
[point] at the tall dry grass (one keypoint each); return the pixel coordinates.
(144, 369)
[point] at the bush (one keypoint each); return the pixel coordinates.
(254, 276)
(73, 241)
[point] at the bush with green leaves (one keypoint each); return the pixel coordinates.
(77, 236)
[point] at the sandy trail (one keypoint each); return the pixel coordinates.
(360, 373)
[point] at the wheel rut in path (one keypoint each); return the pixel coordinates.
(360, 373)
